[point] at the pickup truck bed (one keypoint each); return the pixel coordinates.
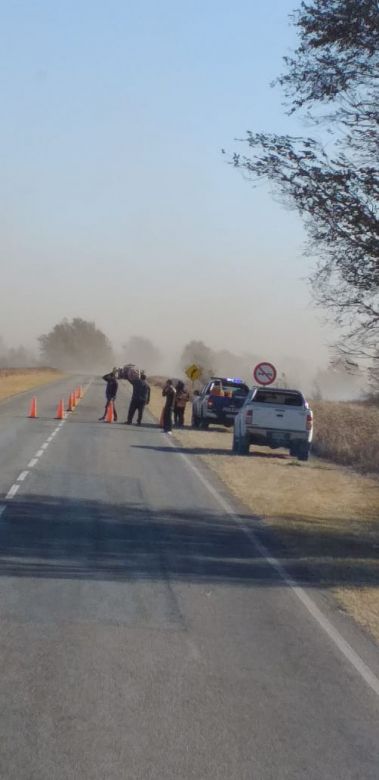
(219, 402)
(274, 417)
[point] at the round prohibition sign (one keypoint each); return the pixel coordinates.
(264, 373)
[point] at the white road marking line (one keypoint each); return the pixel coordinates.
(2, 509)
(15, 488)
(12, 491)
(344, 647)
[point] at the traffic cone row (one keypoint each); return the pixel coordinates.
(73, 400)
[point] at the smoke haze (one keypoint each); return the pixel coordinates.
(117, 206)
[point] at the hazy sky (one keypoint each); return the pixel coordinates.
(115, 201)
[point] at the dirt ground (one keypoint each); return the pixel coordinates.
(13, 381)
(325, 517)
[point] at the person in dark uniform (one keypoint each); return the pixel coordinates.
(169, 394)
(140, 397)
(110, 392)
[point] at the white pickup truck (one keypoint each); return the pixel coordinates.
(274, 417)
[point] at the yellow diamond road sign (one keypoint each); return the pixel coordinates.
(193, 372)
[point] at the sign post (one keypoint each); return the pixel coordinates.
(264, 373)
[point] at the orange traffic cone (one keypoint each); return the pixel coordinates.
(81, 393)
(77, 394)
(33, 407)
(60, 411)
(109, 417)
(73, 400)
(70, 407)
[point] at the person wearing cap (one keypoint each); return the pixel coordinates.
(110, 392)
(140, 397)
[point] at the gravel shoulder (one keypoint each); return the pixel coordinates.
(325, 516)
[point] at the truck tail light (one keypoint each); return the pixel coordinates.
(309, 424)
(249, 416)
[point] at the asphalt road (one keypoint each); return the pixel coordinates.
(142, 634)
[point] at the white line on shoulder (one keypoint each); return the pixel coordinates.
(12, 491)
(344, 647)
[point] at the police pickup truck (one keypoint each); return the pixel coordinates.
(218, 402)
(274, 417)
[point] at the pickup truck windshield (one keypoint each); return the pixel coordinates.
(278, 397)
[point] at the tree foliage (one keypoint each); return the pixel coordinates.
(76, 344)
(333, 78)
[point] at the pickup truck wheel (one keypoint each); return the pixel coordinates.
(303, 451)
(203, 424)
(235, 443)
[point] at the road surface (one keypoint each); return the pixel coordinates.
(142, 634)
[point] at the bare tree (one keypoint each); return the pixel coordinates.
(333, 78)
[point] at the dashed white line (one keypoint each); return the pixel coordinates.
(16, 486)
(12, 491)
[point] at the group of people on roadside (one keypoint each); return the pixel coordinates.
(176, 398)
(175, 404)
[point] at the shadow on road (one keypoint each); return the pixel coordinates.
(209, 450)
(72, 539)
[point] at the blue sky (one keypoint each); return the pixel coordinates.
(115, 201)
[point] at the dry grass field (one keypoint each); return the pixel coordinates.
(16, 380)
(347, 434)
(325, 516)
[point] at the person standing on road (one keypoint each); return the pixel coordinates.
(110, 392)
(140, 397)
(169, 394)
(181, 399)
